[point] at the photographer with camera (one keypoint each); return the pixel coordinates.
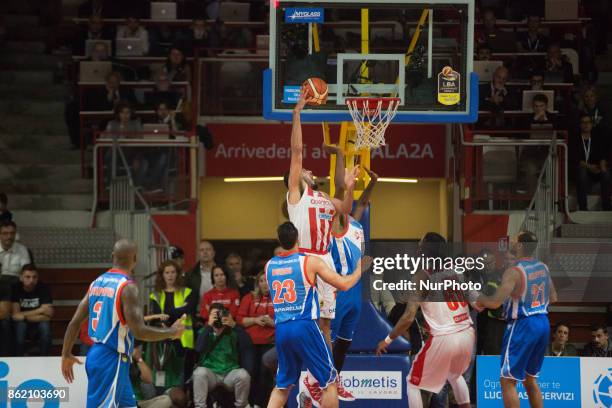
(171, 299)
(218, 344)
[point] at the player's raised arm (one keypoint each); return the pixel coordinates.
(295, 168)
(364, 200)
(509, 281)
(404, 323)
(315, 266)
(339, 172)
(72, 333)
(345, 205)
(132, 311)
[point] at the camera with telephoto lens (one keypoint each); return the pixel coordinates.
(221, 313)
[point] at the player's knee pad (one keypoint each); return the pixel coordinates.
(460, 389)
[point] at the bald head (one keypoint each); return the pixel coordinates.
(124, 254)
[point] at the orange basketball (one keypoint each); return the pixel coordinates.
(316, 91)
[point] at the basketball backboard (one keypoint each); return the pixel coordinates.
(398, 48)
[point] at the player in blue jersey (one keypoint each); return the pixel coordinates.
(346, 250)
(114, 315)
(526, 291)
(291, 277)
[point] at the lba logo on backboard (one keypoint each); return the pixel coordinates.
(373, 384)
(304, 15)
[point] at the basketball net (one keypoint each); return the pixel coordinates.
(371, 117)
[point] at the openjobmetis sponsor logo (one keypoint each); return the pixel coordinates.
(373, 384)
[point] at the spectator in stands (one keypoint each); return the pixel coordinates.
(533, 40)
(589, 153)
(99, 52)
(170, 297)
(532, 157)
(163, 92)
(221, 293)
(557, 68)
(256, 315)
(123, 124)
(133, 30)
(591, 105)
(199, 279)
(32, 311)
(166, 115)
(95, 31)
(5, 214)
(107, 98)
(176, 66)
(559, 347)
(600, 345)
(484, 52)
(496, 98)
(219, 347)
(13, 257)
(162, 37)
(141, 377)
(498, 40)
(536, 81)
(233, 262)
(491, 324)
(197, 36)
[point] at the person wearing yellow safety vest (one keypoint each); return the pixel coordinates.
(172, 298)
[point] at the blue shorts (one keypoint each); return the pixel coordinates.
(108, 375)
(348, 311)
(524, 346)
(300, 345)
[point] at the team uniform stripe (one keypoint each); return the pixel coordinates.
(419, 363)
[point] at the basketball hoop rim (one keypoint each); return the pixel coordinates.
(371, 103)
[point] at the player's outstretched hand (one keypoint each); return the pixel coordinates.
(381, 348)
(179, 327)
(351, 176)
(301, 102)
(67, 363)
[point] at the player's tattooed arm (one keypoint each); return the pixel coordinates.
(295, 168)
(413, 301)
(315, 266)
(553, 292)
(132, 311)
(72, 332)
(510, 279)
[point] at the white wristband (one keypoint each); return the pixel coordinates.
(388, 340)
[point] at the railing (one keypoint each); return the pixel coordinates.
(476, 195)
(540, 215)
(131, 214)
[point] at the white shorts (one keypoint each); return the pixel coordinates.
(441, 358)
(327, 293)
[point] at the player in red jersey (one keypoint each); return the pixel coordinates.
(312, 213)
(448, 351)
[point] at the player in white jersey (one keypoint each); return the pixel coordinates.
(312, 212)
(447, 353)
